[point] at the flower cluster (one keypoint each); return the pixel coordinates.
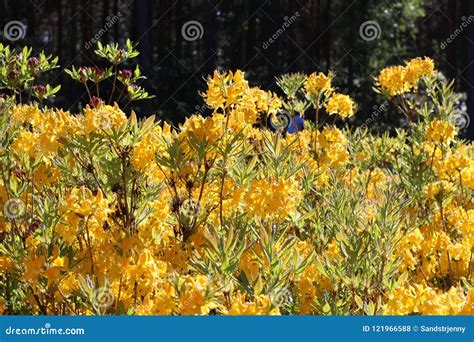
(317, 83)
(397, 80)
(340, 104)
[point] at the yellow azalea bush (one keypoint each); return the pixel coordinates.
(107, 214)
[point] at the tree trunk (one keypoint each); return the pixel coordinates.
(142, 25)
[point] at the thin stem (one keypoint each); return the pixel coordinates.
(30, 93)
(121, 93)
(316, 121)
(89, 246)
(88, 92)
(224, 173)
(113, 84)
(125, 194)
(125, 107)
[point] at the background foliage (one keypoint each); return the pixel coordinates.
(325, 35)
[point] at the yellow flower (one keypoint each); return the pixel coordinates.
(161, 302)
(332, 147)
(317, 83)
(260, 305)
(224, 90)
(265, 101)
(433, 190)
(33, 268)
(103, 118)
(396, 80)
(467, 176)
(151, 144)
(27, 113)
(422, 299)
(58, 262)
(84, 203)
(417, 68)
(249, 263)
(439, 132)
(267, 199)
(452, 165)
(26, 142)
(204, 130)
(193, 298)
(6, 264)
(392, 80)
(311, 284)
(408, 248)
(341, 105)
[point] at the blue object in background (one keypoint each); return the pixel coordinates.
(296, 125)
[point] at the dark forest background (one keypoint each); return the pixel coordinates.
(318, 35)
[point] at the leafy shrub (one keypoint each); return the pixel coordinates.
(105, 214)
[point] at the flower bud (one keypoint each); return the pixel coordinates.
(40, 89)
(33, 62)
(125, 73)
(96, 102)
